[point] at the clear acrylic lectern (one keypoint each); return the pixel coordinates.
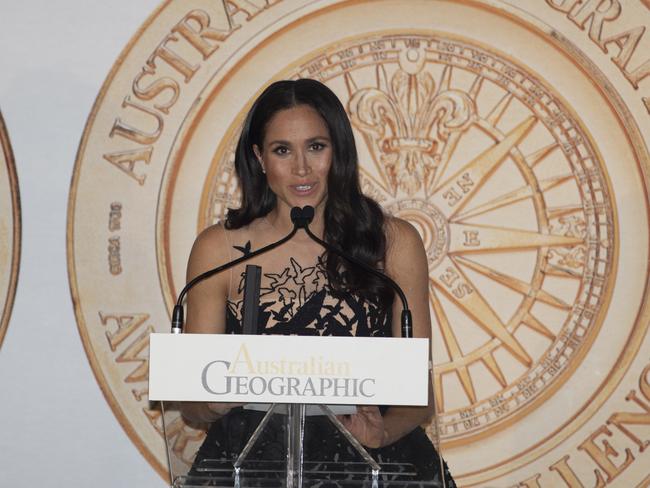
(286, 433)
(280, 452)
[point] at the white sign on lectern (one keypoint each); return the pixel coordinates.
(288, 369)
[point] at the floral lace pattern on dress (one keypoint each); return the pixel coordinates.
(299, 300)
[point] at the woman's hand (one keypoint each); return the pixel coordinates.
(367, 426)
(221, 408)
(206, 411)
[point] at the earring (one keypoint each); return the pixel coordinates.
(262, 167)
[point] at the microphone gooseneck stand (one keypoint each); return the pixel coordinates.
(178, 313)
(301, 218)
(407, 319)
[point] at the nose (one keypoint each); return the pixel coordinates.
(301, 165)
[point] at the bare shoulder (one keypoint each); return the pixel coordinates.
(405, 251)
(402, 236)
(210, 240)
(210, 248)
(206, 301)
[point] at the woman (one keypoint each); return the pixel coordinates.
(297, 149)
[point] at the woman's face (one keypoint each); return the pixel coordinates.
(297, 156)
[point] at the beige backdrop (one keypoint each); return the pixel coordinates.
(513, 135)
(56, 428)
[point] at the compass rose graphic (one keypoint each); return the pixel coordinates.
(511, 200)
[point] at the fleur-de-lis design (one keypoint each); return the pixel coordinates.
(405, 121)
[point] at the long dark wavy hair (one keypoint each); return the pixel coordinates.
(353, 222)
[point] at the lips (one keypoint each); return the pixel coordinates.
(303, 189)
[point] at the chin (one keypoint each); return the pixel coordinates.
(312, 202)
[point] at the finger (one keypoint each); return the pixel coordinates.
(344, 419)
(219, 408)
(369, 408)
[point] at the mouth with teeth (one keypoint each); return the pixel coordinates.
(304, 189)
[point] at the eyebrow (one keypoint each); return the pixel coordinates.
(311, 139)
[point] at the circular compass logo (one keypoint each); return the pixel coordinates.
(510, 196)
(495, 137)
(9, 229)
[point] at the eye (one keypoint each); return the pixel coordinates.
(280, 150)
(317, 146)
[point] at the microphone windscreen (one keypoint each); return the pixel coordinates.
(296, 214)
(308, 213)
(302, 217)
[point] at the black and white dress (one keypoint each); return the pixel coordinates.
(298, 300)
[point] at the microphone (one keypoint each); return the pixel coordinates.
(302, 217)
(178, 313)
